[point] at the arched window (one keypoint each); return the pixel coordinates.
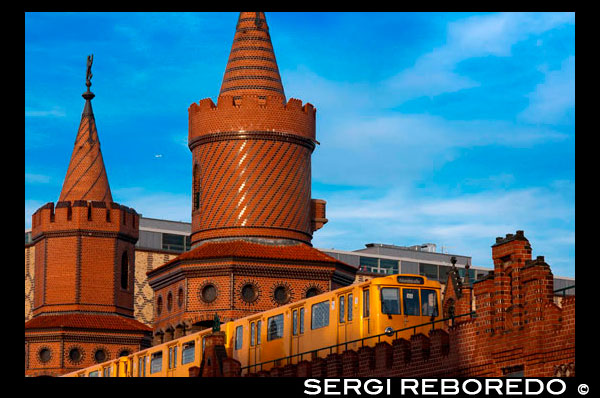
(196, 187)
(124, 271)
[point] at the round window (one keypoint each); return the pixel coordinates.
(313, 291)
(249, 292)
(45, 354)
(100, 355)
(124, 353)
(75, 355)
(209, 293)
(281, 294)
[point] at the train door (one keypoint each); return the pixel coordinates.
(254, 354)
(172, 361)
(296, 344)
(366, 312)
(344, 319)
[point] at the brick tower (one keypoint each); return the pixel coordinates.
(84, 267)
(252, 212)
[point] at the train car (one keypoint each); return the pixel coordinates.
(317, 326)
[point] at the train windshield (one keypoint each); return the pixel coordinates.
(429, 302)
(390, 300)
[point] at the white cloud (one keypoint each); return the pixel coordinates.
(554, 98)
(54, 112)
(477, 36)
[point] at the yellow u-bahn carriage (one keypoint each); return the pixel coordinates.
(335, 320)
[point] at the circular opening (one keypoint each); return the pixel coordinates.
(209, 293)
(281, 294)
(100, 355)
(249, 292)
(45, 354)
(169, 301)
(124, 353)
(313, 291)
(180, 298)
(75, 355)
(159, 303)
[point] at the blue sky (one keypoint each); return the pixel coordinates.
(451, 128)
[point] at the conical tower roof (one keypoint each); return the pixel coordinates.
(252, 67)
(86, 176)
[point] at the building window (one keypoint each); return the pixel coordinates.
(159, 304)
(319, 315)
(313, 291)
(389, 266)
(45, 354)
(196, 187)
(428, 270)
(75, 355)
(169, 301)
(100, 355)
(208, 293)
(124, 271)
(281, 294)
(124, 353)
(180, 297)
(369, 264)
(173, 242)
(249, 293)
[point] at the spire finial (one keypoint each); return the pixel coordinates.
(88, 95)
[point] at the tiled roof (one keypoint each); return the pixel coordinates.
(86, 321)
(245, 249)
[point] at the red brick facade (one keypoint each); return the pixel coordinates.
(85, 269)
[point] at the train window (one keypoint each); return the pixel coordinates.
(390, 300)
(156, 362)
(188, 352)
(295, 322)
(106, 372)
(172, 357)
(366, 304)
(429, 303)
(239, 337)
(141, 367)
(252, 333)
(275, 327)
(349, 307)
(94, 374)
(319, 315)
(258, 327)
(411, 301)
(342, 310)
(301, 320)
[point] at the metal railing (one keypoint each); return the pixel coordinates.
(563, 290)
(314, 353)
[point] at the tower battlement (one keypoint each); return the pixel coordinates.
(85, 215)
(251, 113)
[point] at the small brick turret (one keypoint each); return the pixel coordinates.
(84, 266)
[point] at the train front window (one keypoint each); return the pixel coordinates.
(390, 300)
(275, 327)
(429, 302)
(410, 297)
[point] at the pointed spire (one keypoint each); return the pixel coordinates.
(252, 67)
(86, 176)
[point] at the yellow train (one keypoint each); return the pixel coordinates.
(335, 318)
